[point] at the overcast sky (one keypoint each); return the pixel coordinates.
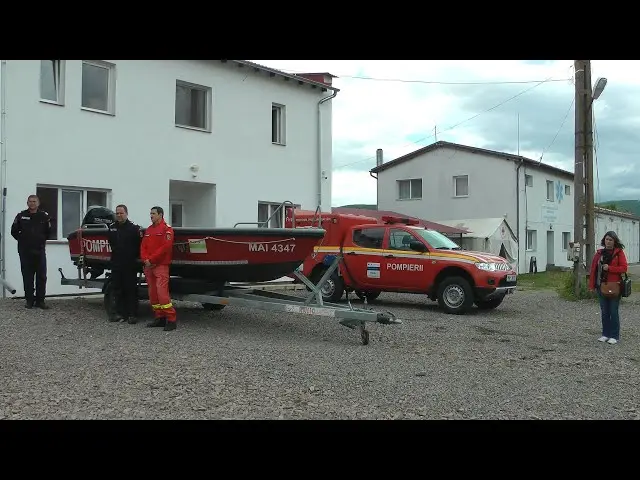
(400, 116)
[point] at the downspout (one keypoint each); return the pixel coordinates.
(320, 170)
(518, 210)
(3, 169)
(373, 175)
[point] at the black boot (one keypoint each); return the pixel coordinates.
(42, 305)
(158, 322)
(115, 318)
(170, 326)
(29, 304)
(131, 320)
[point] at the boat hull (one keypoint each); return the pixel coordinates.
(214, 255)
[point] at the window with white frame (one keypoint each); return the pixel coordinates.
(550, 192)
(410, 189)
(67, 206)
(528, 180)
(531, 239)
(268, 211)
(193, 106)
(566, 239)
(52, 81)
(567, 189)
(99, 86)
(461, 186)
(278, 124)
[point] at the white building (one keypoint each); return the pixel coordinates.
(446, 181)
(213, 142)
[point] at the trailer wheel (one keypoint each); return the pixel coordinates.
(108, 298)
(455, 295)
(212, 306)
(333, 289)
(371, 295)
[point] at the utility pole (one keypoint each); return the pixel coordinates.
(583, 173)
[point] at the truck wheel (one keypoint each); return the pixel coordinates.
(333, 289)
(489, 304)
(371, 295)
(455, 295)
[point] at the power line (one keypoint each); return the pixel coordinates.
(559, 129)
(437, 82)
(457, 124)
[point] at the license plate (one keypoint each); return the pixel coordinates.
(511, 278)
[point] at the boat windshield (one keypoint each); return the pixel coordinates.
(437, 240)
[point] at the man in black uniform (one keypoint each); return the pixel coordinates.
(124, 239)
(31, 228)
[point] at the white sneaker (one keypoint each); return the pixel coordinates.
(612, 341)
(603, 339)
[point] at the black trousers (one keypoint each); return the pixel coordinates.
(34, 264)
(124, 286)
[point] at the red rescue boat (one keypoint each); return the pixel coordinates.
(246, 254)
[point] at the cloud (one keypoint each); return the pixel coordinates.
(400, 116)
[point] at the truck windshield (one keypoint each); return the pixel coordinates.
(437, 240)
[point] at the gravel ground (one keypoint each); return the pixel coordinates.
(536, 357)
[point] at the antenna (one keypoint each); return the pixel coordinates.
(518, 133)
(435, 132)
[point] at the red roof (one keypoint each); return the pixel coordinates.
(378, 214)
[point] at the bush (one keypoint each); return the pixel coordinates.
(567, 289)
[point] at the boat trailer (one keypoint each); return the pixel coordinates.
(216, 297)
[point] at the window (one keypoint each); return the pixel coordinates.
(566, 238)
(550, 191)
(528, 180)
(531, 239)
(400, 239)
(567, 189)
(410, 189)
(177, 214)
(193, 106)
(278, 127)
(98, 86)
(267, 212)
(67, 206)
(369, 237)
(52, 81)
(461, 186)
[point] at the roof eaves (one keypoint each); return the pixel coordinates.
(443, 144)
(286, 75)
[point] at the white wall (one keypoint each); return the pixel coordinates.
(136, 152)
(492, 193)
(628, 231)
(543, 216)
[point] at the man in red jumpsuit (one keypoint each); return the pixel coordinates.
(156, 252)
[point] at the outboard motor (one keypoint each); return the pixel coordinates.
(99, 215)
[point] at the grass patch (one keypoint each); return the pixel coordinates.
(551, 280)
(562, 282)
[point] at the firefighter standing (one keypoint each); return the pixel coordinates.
(31, 228)
(156, 252)
(124, 239)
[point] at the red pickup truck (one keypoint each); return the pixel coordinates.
(396, 255)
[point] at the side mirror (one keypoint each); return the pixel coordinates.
(418, 246)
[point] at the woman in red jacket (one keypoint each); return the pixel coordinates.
(608, 265)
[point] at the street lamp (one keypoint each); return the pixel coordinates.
(599, 87)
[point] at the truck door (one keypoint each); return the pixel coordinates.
(363, 257)
(404, 268)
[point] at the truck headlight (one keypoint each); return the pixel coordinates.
(487, 267)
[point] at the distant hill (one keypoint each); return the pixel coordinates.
(365, 206)
(628, 206)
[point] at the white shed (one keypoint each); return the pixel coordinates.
(490, 235)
